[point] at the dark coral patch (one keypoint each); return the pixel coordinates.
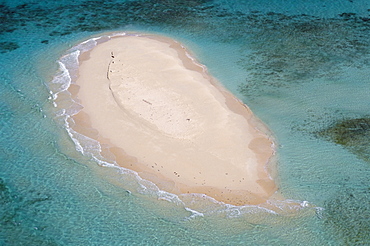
(349, 217)
(353, 134)
(284, 50)
(8, 46)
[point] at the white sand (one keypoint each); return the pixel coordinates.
(161, 115)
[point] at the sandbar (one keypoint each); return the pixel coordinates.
(158, 112)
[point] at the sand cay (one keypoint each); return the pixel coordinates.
(159, 113)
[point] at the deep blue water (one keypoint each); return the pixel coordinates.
(303, 67)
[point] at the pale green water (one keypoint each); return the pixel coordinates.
(301, 74)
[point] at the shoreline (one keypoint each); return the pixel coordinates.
(152, 133)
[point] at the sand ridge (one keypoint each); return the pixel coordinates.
(165, 117)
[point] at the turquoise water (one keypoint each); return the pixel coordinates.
(301, 66)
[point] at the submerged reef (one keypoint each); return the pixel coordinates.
(284, 46)
(89, 16)
(8, 46)
(348, 212)
(287, 50)
(15, 214)
(353, 134)
(348, 215)
(5, 198)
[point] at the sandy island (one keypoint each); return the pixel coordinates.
(159, 113)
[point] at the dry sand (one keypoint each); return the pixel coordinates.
(163, 116)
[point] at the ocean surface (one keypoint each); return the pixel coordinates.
(303, 67)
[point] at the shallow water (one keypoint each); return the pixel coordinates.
(301, 66)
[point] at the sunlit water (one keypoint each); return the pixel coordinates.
(301, 66)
